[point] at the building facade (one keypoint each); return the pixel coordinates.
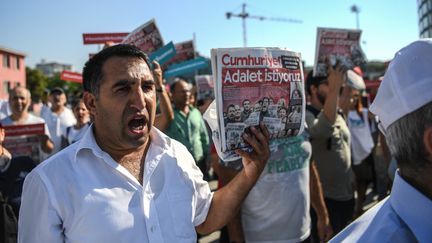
(51, 68)
(12, 71)
(425, 18)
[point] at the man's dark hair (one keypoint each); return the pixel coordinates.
(92, 71)
(230, 106)
(315, 81)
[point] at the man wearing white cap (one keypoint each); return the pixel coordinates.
(404, 107)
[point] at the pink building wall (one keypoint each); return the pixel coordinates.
(12, 75)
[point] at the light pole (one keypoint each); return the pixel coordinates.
(356, 10)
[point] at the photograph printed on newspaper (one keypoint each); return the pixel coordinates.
(254, 85)
(146, 37)
(341, 45)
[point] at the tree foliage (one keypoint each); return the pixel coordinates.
(37, 83)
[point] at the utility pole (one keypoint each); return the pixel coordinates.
(244, 15)
(356, 10)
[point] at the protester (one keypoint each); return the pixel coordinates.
(74, 133)
(46, 104)
(125, 181)
(19, 101)
(404, 215)
(330, 140)
(188, 125)
(277, 207)
(362, 144)
(58, 118)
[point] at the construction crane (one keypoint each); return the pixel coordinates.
(244, 15)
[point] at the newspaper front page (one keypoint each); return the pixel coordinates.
(341, 45)
(147, 37)
(23, 140)
(205, 87)
(254, 85)
(184, 51)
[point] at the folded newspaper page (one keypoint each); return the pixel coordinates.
(147, 37)
(341, 45)
(254, 85)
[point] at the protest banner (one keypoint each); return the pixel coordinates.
(164, 54)
(186, 67)
(71, 76)
(102, 38)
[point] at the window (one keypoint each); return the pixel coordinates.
(17, 63)
(6, 87)
(6, 61)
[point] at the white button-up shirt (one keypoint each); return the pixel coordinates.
(404, 216)
(82, 195)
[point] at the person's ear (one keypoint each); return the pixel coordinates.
(427, 141)
(90, 102)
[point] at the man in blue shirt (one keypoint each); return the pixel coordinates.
(404, 107)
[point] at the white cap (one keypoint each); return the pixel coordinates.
(407, 84)
(355, 81)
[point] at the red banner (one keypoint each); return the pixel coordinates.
(102, 38)
(19, 130)
(71, 76)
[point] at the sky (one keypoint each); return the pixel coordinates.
(52, 29)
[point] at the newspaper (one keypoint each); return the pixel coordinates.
(23, 140)
(253, 85)
(184, 51)
(341, 45)
(146, 37)
(205, 87)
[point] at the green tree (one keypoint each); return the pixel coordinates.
(36, 83)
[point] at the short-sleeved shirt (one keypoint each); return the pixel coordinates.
(82, 195)
(277, 207)
(332, 154)
(57, 124)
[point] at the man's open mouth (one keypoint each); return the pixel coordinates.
(136, 125)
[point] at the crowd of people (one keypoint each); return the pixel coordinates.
(129, 160)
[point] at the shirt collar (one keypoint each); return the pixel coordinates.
(88, 141)
(413, 208)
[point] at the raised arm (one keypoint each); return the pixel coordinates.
(163, 119)
(335, 79)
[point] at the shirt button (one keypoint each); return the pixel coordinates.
(152, 228)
